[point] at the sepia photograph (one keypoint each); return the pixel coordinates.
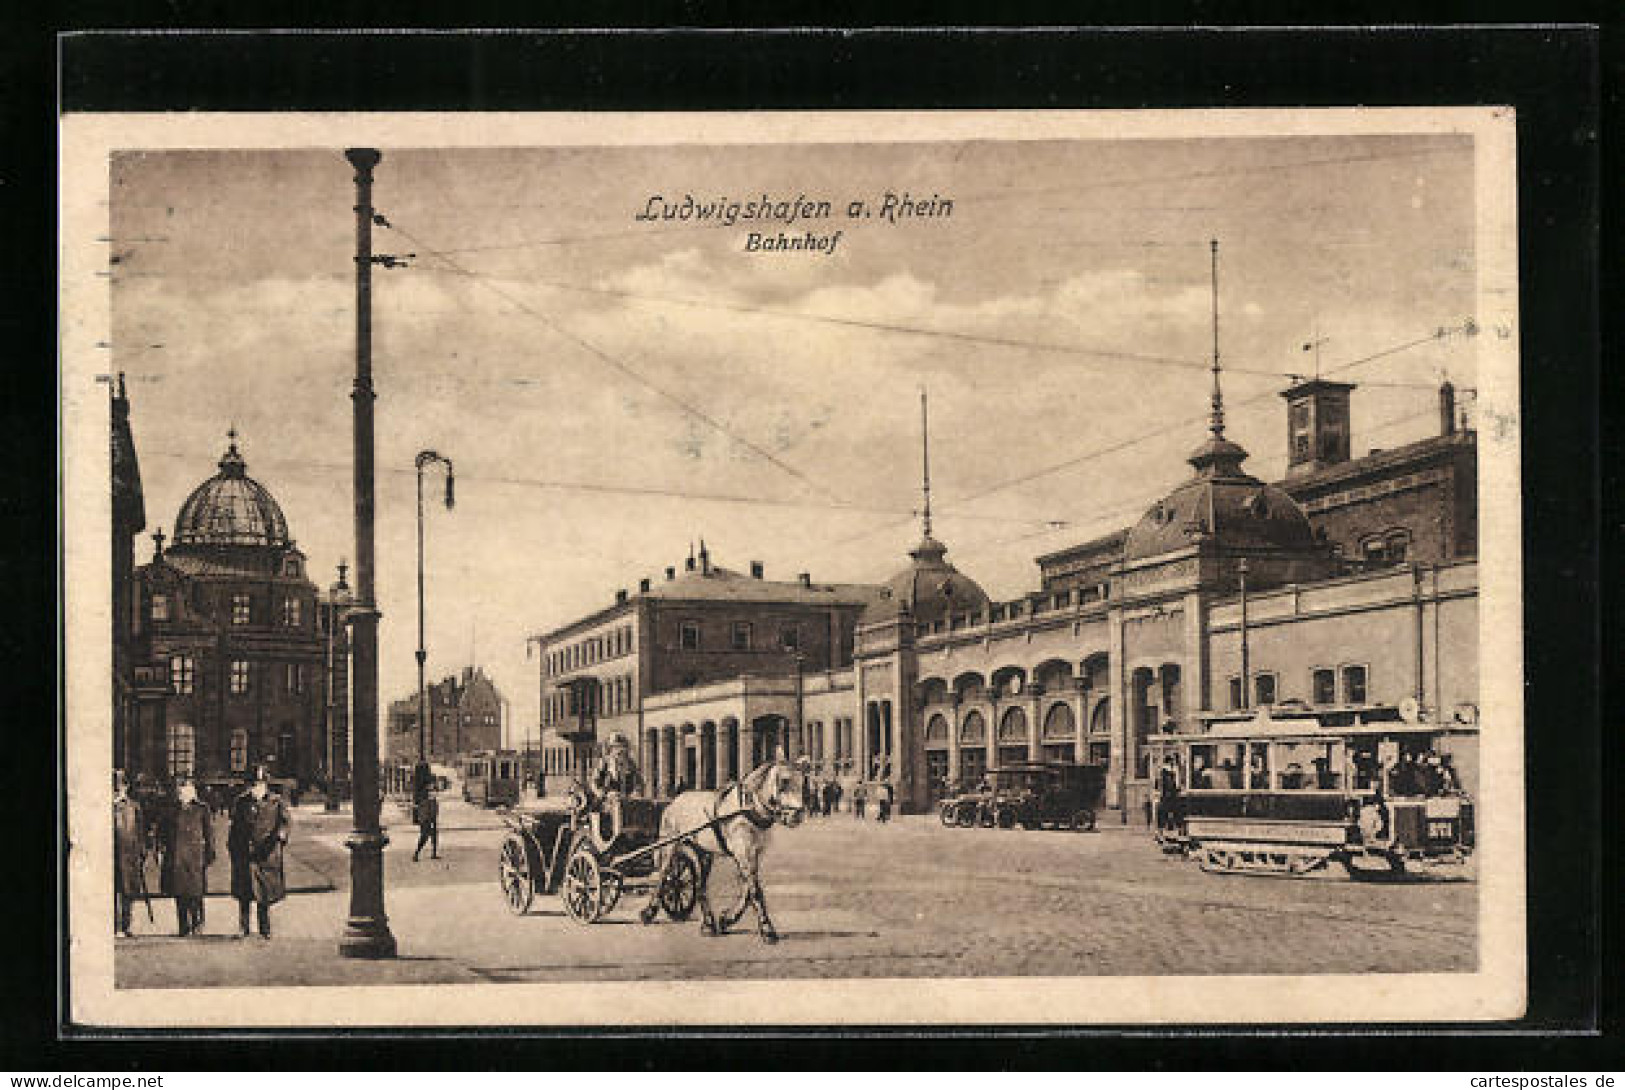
(792, 568)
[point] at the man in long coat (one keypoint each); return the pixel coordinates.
(259, 830)
(187, 838)
(129, 854)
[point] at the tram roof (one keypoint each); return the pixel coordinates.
(1313, 726)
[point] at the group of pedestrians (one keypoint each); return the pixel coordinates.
(880, 792)
(181, 834)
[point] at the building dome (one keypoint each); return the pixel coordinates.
(929, 589)
(231, 508)
(1224, 504)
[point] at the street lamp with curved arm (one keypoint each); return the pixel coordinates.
(425, 458)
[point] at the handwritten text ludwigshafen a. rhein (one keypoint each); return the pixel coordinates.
(891, 208)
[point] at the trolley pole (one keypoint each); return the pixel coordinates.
(425, 737)
(366, 934)
(1246, 666)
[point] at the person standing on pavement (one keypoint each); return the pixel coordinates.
(859, 797)
(187, 838)
(129, 854)
(255, 842)
(426, 810)
(883, 799)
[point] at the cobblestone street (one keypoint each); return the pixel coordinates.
(850, 899)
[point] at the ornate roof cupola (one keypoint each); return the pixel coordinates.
(1222, 509)
(930, 588)
(231, 508)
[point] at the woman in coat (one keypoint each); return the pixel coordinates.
(259, 829)
(188, 847)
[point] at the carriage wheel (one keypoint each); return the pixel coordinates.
(984, 817)
(518, 884)
(946, 812)
(681, 889)
(1084, 821)
(583, 886)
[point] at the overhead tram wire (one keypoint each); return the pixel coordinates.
(693, 410)
(599, 488)
(1438, 334)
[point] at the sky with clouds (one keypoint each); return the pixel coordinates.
(611, 389)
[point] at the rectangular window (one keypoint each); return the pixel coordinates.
(741, 635)
(182, 749)
(182, 674)
(239, 677)
(1264, 689)
(239, 750)
(1324, 685)
(689, 636)
(1235, 693)
(290, 612)
(240, 609)
(1354, 685)
(790, 637)
(160, 607)
(296, 678)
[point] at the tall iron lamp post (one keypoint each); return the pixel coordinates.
(425, 458)
(341, 608)
(366, 932)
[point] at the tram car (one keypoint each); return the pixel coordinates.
(492, 779)
(1284, 792)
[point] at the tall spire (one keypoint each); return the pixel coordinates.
(1218, 456)
(925, 458)
(1216, 424)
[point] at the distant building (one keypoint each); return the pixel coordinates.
(229, 618)
(466, 717)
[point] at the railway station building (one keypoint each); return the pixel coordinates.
(1348, 588)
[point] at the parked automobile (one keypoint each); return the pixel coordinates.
(1030, 795)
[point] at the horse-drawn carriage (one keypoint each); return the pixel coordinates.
(602, 846)
(568, 851)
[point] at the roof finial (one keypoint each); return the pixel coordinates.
(231, 434)
(158, 543)
(925, 458)
(1216, 424)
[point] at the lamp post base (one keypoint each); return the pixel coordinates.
(366, 933)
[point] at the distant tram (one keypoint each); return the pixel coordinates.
(493, 778)
(1284, 792)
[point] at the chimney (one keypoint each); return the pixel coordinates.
(620, 596)
(805, 578)
(1447, 408)
(705, 558)
(643, 586)
(671, 573)
(756, 569)
(688, 565)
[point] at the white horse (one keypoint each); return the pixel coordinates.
(736, 822)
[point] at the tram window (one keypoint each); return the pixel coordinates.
(1354, 684)
(1324, 686)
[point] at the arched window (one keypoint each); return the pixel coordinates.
(182, 751)
(936, 731)
(973, 730)
(1100, 720)
(1059, 722)
(239, 750)
(1013, 727)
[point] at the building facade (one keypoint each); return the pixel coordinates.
(1349, 588)
(465, 717)
(229, 618)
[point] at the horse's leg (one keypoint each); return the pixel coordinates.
(708, 919)
(651, 911)
(764, 925)
(733, 915)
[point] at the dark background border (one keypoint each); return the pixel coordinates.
(1549, 75)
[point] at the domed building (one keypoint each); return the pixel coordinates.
(928, 590)
(237, 625)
